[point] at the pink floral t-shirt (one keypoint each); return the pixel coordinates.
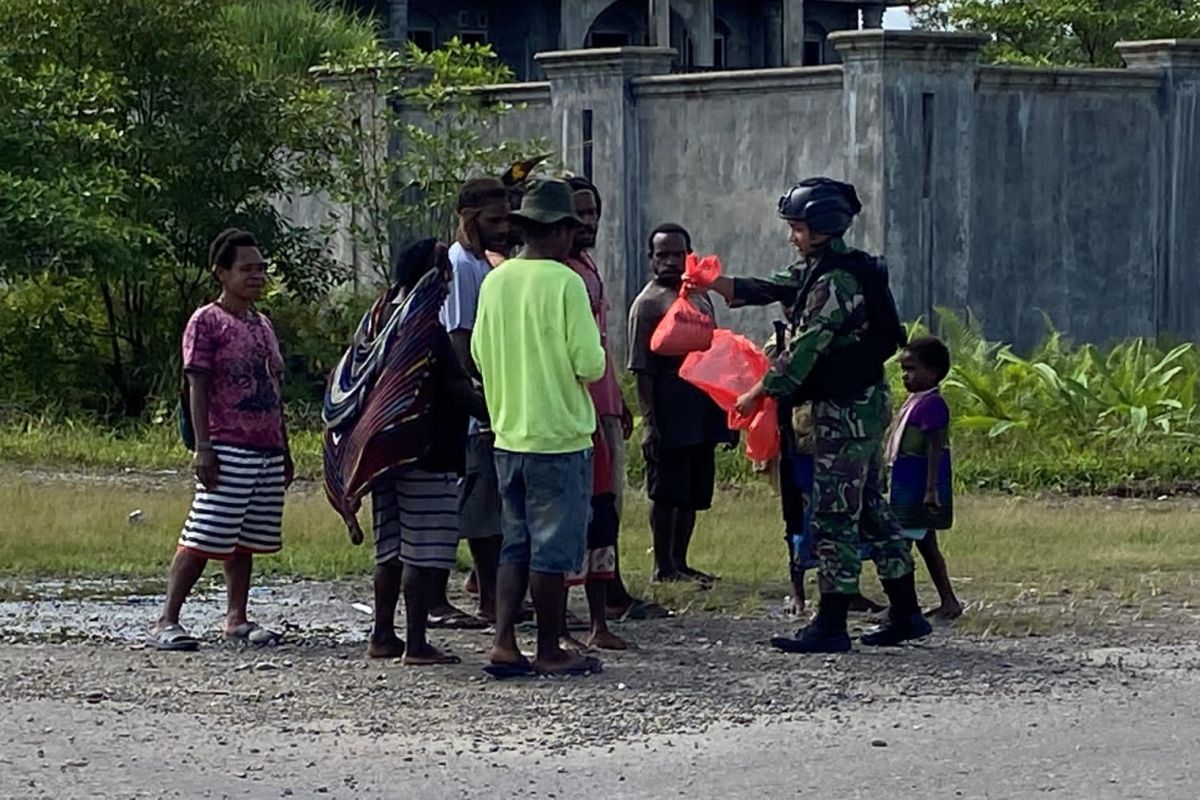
(245, 369)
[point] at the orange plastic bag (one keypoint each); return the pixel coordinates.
(726, 371)
(685, 329)
(762, 434)
(701, 272)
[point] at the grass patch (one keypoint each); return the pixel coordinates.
(1019, 463)
(1024, 565)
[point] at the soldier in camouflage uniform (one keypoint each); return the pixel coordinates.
(842, 327)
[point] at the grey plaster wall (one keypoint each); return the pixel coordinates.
(717, 150)
(1008, 191)
(1068, 212)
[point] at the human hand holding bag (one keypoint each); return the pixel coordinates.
(685, 328)
(725, 372)
(700, 273)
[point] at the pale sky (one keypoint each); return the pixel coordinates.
(896, 19)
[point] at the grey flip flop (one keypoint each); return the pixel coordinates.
(253, 634)
(173, 638)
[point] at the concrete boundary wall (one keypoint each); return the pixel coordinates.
(1008, 190)
(712, 152)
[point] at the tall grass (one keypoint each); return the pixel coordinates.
(1079, 419)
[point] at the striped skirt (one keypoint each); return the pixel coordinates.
(416, 518)
(244, 513)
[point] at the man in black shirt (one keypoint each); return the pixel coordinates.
(682, 425)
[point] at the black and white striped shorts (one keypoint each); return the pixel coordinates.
(416, 518)
(244, 514)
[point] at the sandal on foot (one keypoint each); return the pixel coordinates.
(583, 665)
(638, 610)
(442, 659)
(173, 638)
(503, 670)
(457, 622)
(253, 634)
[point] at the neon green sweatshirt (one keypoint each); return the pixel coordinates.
(536, 344)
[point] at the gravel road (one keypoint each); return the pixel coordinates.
(701, 709)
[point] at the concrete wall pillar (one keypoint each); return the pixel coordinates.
(1178, 60)
(793, 33)
(660, 23)
(597, 81)
(700, 19)
(773, 24)
(872, 16)
(397, 18)
(910, 117)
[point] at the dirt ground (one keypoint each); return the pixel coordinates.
(702, 708)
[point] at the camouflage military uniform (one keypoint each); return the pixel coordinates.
(850, 508)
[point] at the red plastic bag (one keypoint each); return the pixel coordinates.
(762, 434)
(701, 272)
(685, 329)
(726, 371)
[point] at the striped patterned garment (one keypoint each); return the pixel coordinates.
(376, 408)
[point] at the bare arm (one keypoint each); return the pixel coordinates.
(936, 443)
(205, 460)
(461, 341)
(645, 395)
(455, 384)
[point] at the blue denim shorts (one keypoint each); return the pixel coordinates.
(546, 502)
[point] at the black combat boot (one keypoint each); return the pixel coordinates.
(905, 620)
(825, 634)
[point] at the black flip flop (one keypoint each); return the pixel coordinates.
(457, 622)
(640, 610)
(511, 669)
(586, 665)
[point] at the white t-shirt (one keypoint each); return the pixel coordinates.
(462, 303)
(458, 313)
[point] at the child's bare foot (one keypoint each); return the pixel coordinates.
(946, 611)
(427, 656)
(607, 640)
(392, 647)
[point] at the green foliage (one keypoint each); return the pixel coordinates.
(1067, 32)
(424, 128)
(313, 338)
(290, 37)
(448, 143)
(133, 131)
(1128, 395)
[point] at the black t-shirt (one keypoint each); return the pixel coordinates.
(686, 416)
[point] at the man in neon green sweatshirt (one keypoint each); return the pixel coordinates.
(537, 347)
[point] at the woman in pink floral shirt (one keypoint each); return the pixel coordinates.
(242, 462)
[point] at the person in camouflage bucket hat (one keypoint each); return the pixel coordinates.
(842, 327)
